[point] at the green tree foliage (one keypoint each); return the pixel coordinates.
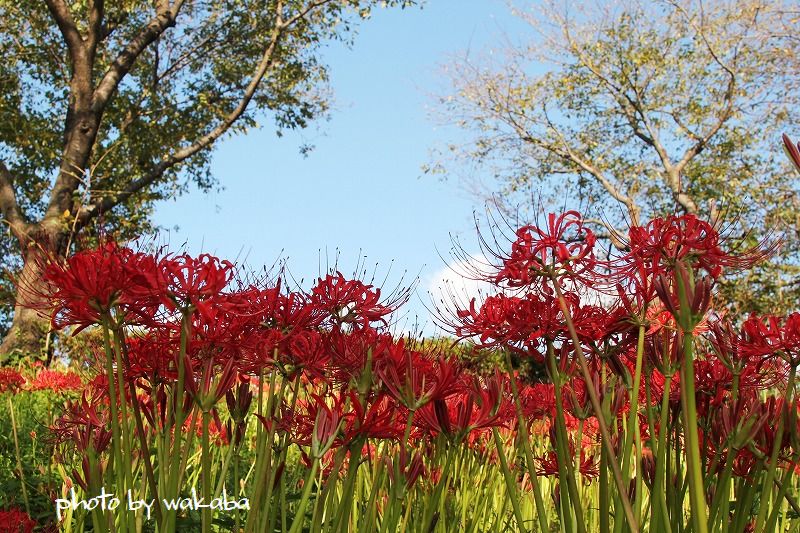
(107, 107)
(644, 108)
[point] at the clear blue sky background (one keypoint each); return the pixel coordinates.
(361, 190)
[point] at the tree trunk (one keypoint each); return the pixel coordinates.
(26, 339)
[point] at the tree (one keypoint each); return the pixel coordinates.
(647, 108)
(107, 107)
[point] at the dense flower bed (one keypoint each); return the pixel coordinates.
(230, 405)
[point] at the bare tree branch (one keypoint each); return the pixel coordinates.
(266, 62)
(567, 153)
(95, 34)
(165, 18)
(635, 113)
(66, 24)
(730, 88)
(303, 12)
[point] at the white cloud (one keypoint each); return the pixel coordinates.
(452, 287)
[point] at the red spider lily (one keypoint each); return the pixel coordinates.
(238, 401)
(576, 397)
(768, 337)
(84, 424)
(56, 381)
(411, 470)
(218, 329)
(90, 283)
(594, 323)
(753, 370)
(565, 245)
(648, 467)
(714, 382)
(347, 419)
(217, 432)
(153, 404)
(671, 290)
(744, 463)
(663, 350)
(152, 355)
(635, 288)
(657, 382)
(327, 423)
(519, 323)
(307, 424)
(191, 281)
(279, 326)
(355, 353)
(538, 401)
(663, 242)
(774, 409)
(349, 301)
(10, 380)
(587, 466)
(211, 386)
(413, 379)
(479, 406)
(275, 309)
(16, 521)
(736, 423)
(378, 418)
(307, 351)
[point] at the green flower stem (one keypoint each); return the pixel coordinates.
(125, 421)
(662, 454)
(137, 415)
(634, 426)
(776, 447)
(320, 507)
(782, 490)
(594, 400)
(693, 459)
(541, 511)
(115, 426)
(747, 491)
(94, 483)
(346, 503)
(176, 401)
(432, 505)
(236, 492)
(721, 494)
(566, 472)
(513, 493)
(379, 474)
(263, 454)
(284, 448)
(206, 469)
(722, 490)
(18, 456)
(260, 451)
(299, 516)
(603, 497)
(632, 435)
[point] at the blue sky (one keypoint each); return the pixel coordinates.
(361, 190)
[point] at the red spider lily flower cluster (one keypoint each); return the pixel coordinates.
(200, 355)
(16, 521)
(10, 380)
(662, 282)
(56, 381)
(186, 321)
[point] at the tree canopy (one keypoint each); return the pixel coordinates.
(107, 107)
(636, 109)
